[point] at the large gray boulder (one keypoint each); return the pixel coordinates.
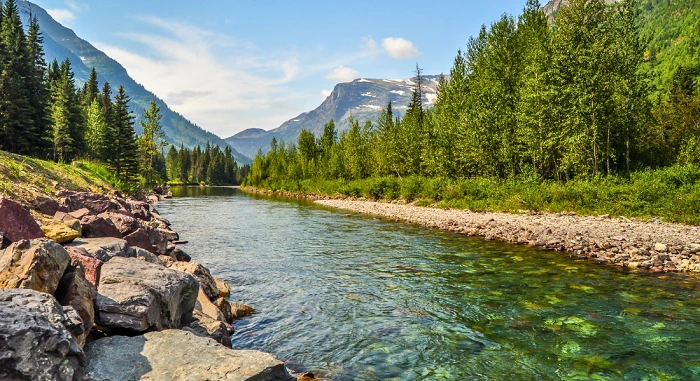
(105, 248)
(177, 355)
(138, 296)
(38, 265)
(34, 341)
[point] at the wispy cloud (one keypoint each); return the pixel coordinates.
(343, 74)
(68, 14)
(399, 48)
(221, 83)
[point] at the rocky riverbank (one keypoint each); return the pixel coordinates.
(97, 286)
(652, 246)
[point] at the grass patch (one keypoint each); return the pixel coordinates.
(672, 194)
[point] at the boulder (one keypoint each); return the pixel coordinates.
(147, 256)
(178, 355)
(98, 227)
(204, 326)
(223, 287)
(139, 209)
(205, 306)
(76, 291)
(16, 223)
(104, 249)
(125, 224)
(169, 234)
(38, 265)
(206, 281)
(80, 213)
(69, 220)
(180, 255)
(34, 341)
(140, 238)
(91, 266)
(158, 240)
(45, 205)
(138, 296)
(95, 203)
(240, 310)
(225, 307)
(59, 232)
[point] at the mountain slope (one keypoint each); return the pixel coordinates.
(61, 43)
(363, 99)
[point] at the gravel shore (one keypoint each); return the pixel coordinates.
(653, 246)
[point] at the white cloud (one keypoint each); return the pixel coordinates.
(399, 48)
(343, 74)
(370, 47)
(222, 84)
(325, 93)
(63, 16)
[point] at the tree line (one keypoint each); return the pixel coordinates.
(525, 98)
(43, 113)
(210, 165)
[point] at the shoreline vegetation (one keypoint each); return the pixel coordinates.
(650, 245)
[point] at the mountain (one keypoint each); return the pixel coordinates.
(61, 43)
(363, 99)
(552, 6)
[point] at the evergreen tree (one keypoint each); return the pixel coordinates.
(90, 89)
(124, 160)
(38, 92)
(18, 130)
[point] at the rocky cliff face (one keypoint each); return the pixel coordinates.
(363, 99)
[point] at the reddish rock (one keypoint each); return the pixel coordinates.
(90, 265)
(80, 213)
(16, 223)
(139, 209)
(45, 205)
(98, 227)
(95, 203)
(125, 224)
(140, 238)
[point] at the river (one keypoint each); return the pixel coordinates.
(353, 297)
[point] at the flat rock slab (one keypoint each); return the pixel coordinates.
(35, 343)
(138, 296)
(177, 355)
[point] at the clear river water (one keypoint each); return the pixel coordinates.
(353, 297)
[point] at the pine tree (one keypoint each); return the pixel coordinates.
(76, 118)
(90, 89)
(124, 159)
(185, 164)
(18, 130)
(38, 92)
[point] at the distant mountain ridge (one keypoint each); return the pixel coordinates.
(61, 43)
(363, 99)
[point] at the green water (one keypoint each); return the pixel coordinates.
(358, 298)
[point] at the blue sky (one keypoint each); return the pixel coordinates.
(232, 65)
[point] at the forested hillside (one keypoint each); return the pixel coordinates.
(526, 99)
(671, 30)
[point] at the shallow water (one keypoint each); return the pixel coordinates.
(358, 298)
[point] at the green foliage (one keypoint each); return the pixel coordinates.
(151, 143)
